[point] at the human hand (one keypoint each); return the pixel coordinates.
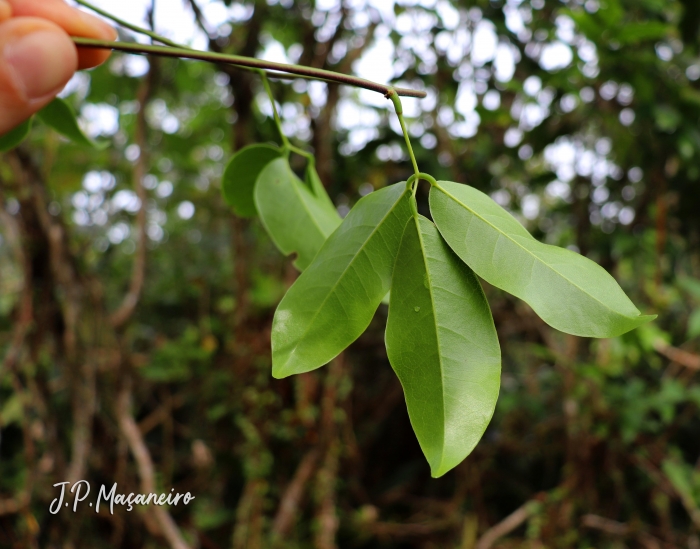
(37, 56)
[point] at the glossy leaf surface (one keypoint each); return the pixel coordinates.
(238, 181)
(15, 136)
(442, 344)
(567, 290)
(296, 220)
(333, 301)
(60, 116)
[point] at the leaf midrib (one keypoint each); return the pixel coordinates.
(345, 270)
(437, 338)
(506, 235)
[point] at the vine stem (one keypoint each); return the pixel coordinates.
(249, 62)
(127, 25)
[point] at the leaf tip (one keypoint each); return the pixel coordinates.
(277, 374)
(440, 469)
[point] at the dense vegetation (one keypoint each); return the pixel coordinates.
(135, 309)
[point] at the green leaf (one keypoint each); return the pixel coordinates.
(60, 116)
(238, 181)
(15, 136)
(296, 220)
(568, 291)
(314, 183)
(333, 301)
(442, 344)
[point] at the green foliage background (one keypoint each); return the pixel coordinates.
(595, 443)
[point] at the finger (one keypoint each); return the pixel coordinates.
(37, 58)
(75, 22)
(5, 11)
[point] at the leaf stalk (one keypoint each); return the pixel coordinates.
(278, 122)
(398, 107)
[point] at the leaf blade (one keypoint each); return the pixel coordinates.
(60, 116)
(294, 218)
(333, 301)
(568, 291)
(238, 180)
(15, 136)
(442, 344)
(316, 186)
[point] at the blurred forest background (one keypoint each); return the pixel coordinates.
(135, 310)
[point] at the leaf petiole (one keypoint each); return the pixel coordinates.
(416, 177)
(398, 107)
(278, 122)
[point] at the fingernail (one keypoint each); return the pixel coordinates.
(100, 27)
(42, 61)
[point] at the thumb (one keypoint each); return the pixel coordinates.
(37, 58)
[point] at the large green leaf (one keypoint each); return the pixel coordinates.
(443, 346)
(15, 136)
(333, 301)
(238, 181)
(568, 291)
(60, 116)
(296, 220)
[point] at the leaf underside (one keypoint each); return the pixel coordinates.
(314, 182)
(60, 116)
(238, 181)
(442, 344)
(334, 299)
(15, 136)
(567, 290)
(296, 220)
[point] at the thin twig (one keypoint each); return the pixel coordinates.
(620, 529)
(606, 525)
(507, 525)
(291, 499)
(144, 464)
(327, 476)
(138, 274)
(160, 414)
(684, 358)
(250, 62)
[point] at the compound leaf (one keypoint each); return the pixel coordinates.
(333, 301)
(238, 181)
(568, 291)
(442, 344)
(15, 136)
(296, 220)
(60, 116)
